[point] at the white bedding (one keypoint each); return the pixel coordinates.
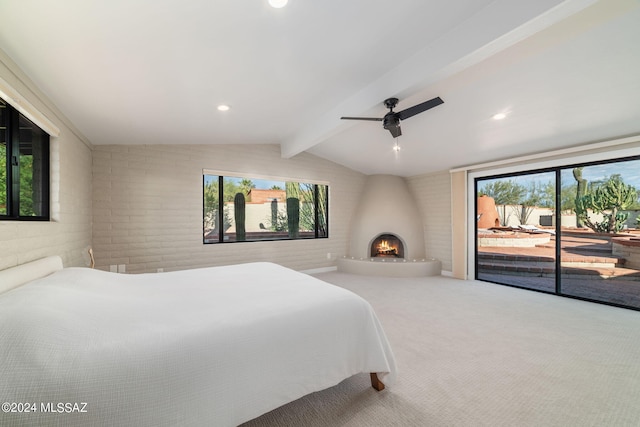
(21, 274)
(215, 346)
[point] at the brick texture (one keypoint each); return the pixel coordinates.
(433, 196)
(69, 231)
(148, 206)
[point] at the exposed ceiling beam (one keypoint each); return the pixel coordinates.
(496, 27)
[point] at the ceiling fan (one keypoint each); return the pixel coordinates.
(391, 120)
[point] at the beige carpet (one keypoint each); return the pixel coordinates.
(479, 354)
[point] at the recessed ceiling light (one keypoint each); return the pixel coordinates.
(499, 116)
(223, 107)
(278, 3)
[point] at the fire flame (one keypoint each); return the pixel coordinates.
(385, 248)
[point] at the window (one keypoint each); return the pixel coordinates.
(239, 209)
(24, 167)
(571, 230)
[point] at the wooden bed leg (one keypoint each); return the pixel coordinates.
(376, 383)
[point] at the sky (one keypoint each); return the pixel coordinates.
(629, 171)
(260, 184)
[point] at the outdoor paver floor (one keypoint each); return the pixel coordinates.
(574, 248)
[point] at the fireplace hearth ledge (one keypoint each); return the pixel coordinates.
(389, 267)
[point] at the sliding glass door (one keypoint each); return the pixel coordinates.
(515, 237)
(572, 230)
(600, 236)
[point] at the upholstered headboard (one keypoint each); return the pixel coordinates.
(21, 274)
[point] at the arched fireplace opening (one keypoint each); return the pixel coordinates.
(387, 246)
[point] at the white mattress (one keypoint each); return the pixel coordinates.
(215, 346)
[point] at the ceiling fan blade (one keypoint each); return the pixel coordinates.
(417, 109)
(371, 119)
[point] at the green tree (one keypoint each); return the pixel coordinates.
(27, 193)
(211, 204)
(28, 196)
(246, 185)
(229, 190)
(548, 195)
(536, 195)
(211, 208)
(568, 198)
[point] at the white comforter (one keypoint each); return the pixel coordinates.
(215, 346)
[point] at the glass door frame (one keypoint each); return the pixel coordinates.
(555, 165)
(557, 260)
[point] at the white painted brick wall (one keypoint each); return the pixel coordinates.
(433, 196)
(70, 230)
(148, 206)
(145, 203)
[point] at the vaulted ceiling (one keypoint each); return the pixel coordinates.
(153, 72)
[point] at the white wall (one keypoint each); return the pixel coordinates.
(432, 193)
(145, 202)
(148, 206)
(69, 232)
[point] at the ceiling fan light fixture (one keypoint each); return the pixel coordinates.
(278, 3)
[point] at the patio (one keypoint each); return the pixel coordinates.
(590, 268)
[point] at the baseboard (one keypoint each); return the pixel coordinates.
(319, 270)
(334, 268)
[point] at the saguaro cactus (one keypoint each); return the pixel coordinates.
(239, 210)
(274, 214)
(293, 217)
(580, 187)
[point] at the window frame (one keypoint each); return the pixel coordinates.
(12, 162)
(220, 176)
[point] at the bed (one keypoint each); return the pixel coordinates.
(214, 346)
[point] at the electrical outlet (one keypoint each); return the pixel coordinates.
(113, 268)
(160, 270)
(328, 255)
(121, 268)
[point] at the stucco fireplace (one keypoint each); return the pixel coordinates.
(387, 236)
